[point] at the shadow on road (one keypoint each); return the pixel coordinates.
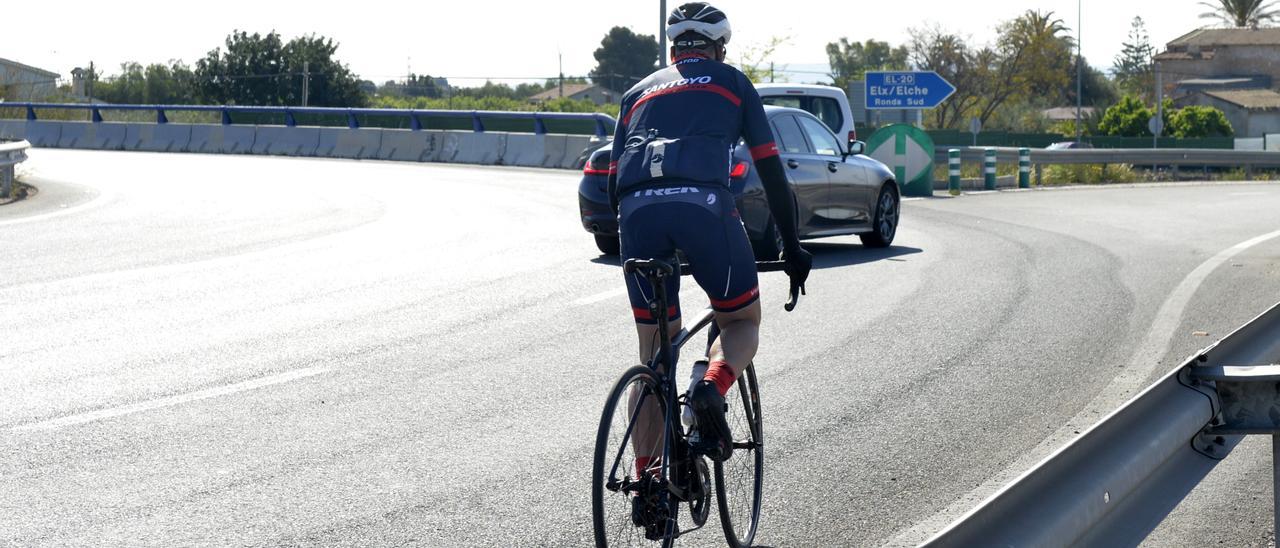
(825, 255)
(836, 255)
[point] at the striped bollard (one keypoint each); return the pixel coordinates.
(953, 163)
(1024, 168)
(989, 168)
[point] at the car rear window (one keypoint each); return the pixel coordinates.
(825, 108)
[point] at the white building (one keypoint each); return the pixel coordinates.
(19, 82)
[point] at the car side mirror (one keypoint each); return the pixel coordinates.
(857, 148)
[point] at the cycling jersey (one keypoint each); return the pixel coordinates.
(670, 176)
(682, 123)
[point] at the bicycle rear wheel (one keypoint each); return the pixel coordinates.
(740, 479)
(614, 479)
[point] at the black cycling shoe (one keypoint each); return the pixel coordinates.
(714, 438)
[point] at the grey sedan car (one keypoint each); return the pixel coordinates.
(839, 191)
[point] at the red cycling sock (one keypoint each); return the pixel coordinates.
(720, 373)
(642, 464)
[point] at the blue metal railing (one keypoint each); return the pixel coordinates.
(604, 123)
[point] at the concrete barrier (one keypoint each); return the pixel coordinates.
(287, 141)
(75, 135)
(524, 149)
(573, 147)
(410, 146)
(43, 134)
(450, 143)
(13, 129)
(92, 136)
(157, 137)
(219, 139)
(358, 144)
(480, 148)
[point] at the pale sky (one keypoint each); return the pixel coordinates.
(507, 39)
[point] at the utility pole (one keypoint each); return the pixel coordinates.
(770, 72)
(1155, 139)
(306, 82)
(561, 74)
(1079, 68)
(662, 33)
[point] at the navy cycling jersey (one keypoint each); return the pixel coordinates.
(682, 122)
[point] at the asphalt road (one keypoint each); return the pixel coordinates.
(217, 350)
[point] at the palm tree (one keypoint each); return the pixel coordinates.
(1241, 13)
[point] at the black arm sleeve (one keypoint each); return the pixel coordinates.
(781, 200)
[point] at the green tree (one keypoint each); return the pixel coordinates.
(1241, 13)
(851, 61)
(1096, 89)
(1133, 67)
(624, 58)
(263, 70)
(753, 59)
(1039, 43)
(1128, 118)
(1199, 121)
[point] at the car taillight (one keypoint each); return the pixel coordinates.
(599, 165)
(739, 171)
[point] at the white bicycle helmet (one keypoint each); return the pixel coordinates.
(699, 17)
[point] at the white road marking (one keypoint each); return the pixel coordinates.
(171, 400)
(598, 297)
(1123, 387)
(92, 203)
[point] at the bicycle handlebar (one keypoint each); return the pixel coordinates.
(667, 269)
(796, 289)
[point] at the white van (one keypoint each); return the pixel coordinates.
(829, 104)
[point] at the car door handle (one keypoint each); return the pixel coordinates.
(833, 167)
(793, 164)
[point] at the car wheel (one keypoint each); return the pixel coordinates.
(609, 245)
(888, 213)
(769, 246)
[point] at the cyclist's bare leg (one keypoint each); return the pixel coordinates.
(739, 337)
(647, 437)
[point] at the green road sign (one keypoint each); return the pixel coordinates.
(908, 151)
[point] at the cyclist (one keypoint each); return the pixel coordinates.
(669, 183)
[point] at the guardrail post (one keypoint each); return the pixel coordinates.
(31, 114)
(476, 125)
(539, 128)
(953, 167)
(352, 122)
(289, 121)
(1024, 168)
(601, 132)
(989, 168)
(160, 117)
(1039, 175)
(226, 117)
(6, 181)
(96, 116)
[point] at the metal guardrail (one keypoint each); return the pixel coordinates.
(604, 123)
(1134, 156)
(1114, 484)
(11, 154)
(1173, 158)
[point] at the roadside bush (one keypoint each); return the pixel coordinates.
(1089, 174)
(1194, 122)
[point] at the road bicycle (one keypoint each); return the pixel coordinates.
(638, 507)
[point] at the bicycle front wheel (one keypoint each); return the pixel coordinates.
(740, 479)
(631, 434)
